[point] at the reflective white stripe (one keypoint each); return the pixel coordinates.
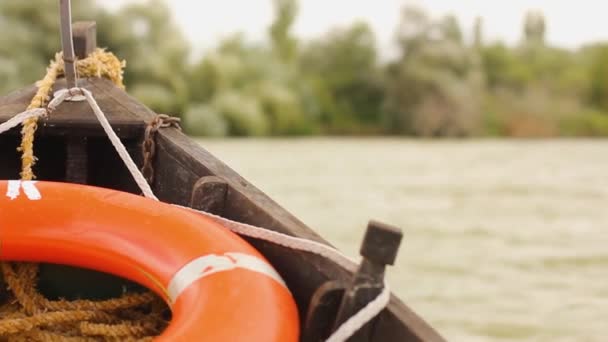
(213, 263)
(13, 189)
(29, 187)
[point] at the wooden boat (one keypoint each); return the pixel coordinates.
(72, 147)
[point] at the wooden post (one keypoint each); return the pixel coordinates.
(379, 248)
(336, 301)
(209, 194)
(84, 37)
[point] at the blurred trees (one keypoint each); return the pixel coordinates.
(434, 88)
(143, 34)
(284, 44)
(598, 75)
(442, 82)
(30, 39)
(534, 28)
(347, 81)
(156, 52)
(253, 88)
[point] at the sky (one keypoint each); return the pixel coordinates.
(569, 23)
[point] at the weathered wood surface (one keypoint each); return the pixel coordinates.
(209, 194)
(84, 37)
(77, 118)
(76, 166)
(52, 148)
(181, 162)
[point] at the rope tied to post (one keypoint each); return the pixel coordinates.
(98, 64)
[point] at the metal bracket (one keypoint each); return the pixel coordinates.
(334, 303)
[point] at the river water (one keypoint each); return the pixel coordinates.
(503, 240)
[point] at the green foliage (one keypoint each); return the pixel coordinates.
(434, 88)
(257, 80)
(145, 35)
(284, 44)
(589, 123)
(203, 120)
(142, 33)
(243, 113)
(441, 83)
(342, 67)
(25, 44)
(598, 74)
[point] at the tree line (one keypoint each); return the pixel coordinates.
(441, 82)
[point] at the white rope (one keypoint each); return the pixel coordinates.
(114, 139)
(21, 117)
(354, 323)
(361, 318)
(283, 240)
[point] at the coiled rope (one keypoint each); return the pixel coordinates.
(107, 325)
(27, 315)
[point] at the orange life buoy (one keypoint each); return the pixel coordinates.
(219, 287)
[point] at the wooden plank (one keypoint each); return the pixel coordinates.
(77, 118)
(104, 158)
(77, 160)
(190, 156)
(50, 150)
(186, 162)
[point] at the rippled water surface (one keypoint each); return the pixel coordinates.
(504, 240)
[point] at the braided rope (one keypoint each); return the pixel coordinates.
(22, 117)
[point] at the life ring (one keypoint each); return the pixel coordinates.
(219, 287)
